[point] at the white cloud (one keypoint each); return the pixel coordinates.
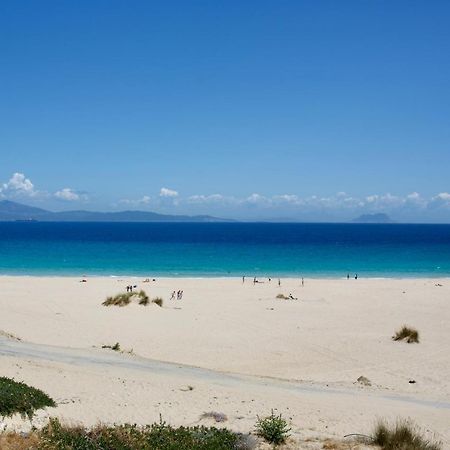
(444, 196)
(67, 195)
(440, 200)
(18, 184)
(145, 200)
(256, 199)
(168, 193)
(287, 198)
(213, 198)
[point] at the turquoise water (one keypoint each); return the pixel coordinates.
(224, 249)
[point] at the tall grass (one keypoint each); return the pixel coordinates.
(119, 299)
(410, 334)
(402, 436)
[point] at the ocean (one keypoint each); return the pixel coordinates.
(224, 249)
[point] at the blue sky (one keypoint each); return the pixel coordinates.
(312, 110)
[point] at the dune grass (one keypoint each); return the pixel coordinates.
(125, 299)
(411, 335)
(17, 397)
(115, 347)
(282, 297)
(158, 301)
(119, 299)
(402, 436)
(143, 298)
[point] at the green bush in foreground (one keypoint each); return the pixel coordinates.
(273, 429)
(158, 436)
(410, 334)
(16, 397)
(403, 436)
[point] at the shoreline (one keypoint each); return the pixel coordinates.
(249, 278)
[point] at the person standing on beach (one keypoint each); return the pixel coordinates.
(173, 295)
(356, 276)
(303, 282)
(279, 282)
(243, 279)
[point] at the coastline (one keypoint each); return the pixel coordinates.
(337, 331)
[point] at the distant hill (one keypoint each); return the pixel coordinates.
(12, 211)
(373, 218)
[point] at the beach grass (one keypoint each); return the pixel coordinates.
(17, 397)
(402, 436)
(119, 299)
(125, 299)
(411, 335)
(143, 298)
(282, 297)
(158, 301)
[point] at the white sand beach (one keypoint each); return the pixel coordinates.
(300, 357)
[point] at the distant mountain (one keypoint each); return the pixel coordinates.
(373, 218)
(12, 211)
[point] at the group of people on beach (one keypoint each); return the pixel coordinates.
(255, 280)
(179, 295)
(130, 288)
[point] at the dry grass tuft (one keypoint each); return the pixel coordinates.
(15, 441)
(158, 301)
(403, 436)
(410, 334)
(119, 300)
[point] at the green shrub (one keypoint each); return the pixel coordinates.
(158, 436)
(403, 436)
(273, 429)
(410, 334)
(16, 397)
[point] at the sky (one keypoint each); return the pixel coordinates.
(255, 110)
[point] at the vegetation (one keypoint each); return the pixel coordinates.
(403, 436)
(16, 397)
(160, 436)
(410, 334)
(143, 298)
(274, 429)
(115, 347)
(282, 297)
(125, 299)
(119, 299)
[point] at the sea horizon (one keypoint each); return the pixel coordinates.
(208, 250)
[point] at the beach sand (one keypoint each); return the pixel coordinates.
(299, 357)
